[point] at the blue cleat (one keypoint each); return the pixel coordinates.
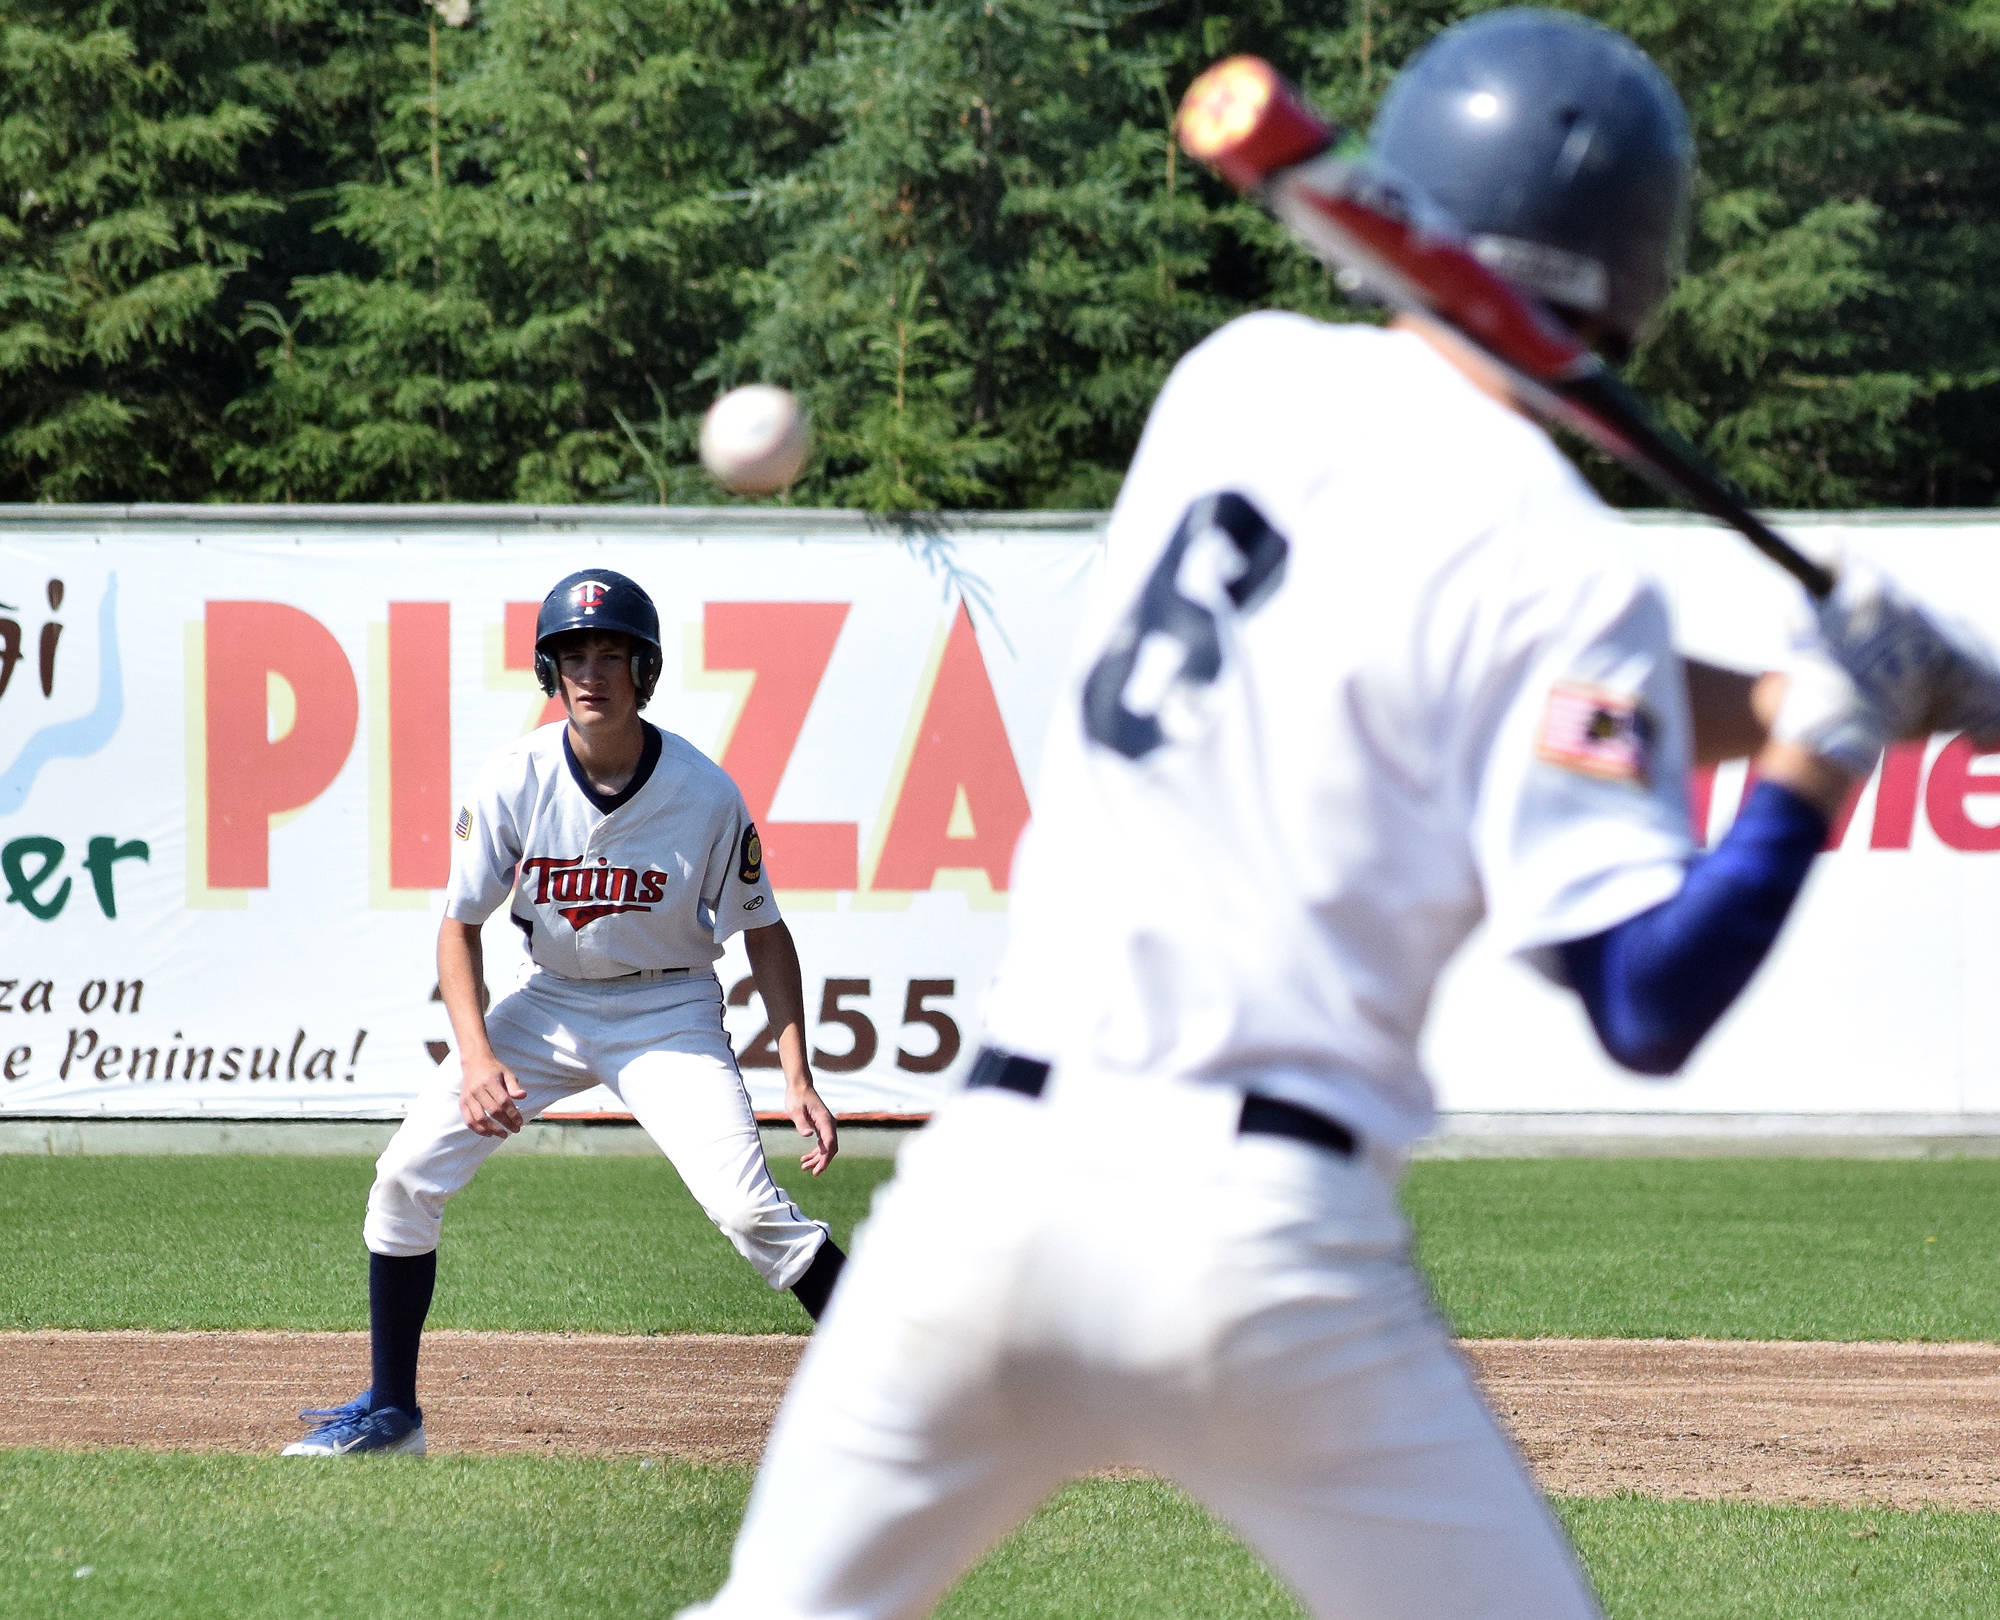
(357, 1427)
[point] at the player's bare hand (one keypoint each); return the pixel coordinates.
(813, 1120)
(489, 1101)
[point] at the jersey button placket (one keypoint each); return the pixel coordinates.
(589, 953)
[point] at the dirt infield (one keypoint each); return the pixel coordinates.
(1879, 1425)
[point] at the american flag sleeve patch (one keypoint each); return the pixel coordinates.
(463, 828)
(1595, 732)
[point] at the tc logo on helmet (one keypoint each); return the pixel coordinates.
(589, 594)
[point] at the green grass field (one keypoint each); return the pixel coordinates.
(1728, 1248)
(192, 1538)
(1713, 1248)
(589, 1245)
(1722, 1248)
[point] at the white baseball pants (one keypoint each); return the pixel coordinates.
(1110, 1275)
(659, 1047)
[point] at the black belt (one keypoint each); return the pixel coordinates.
(1262, 1116)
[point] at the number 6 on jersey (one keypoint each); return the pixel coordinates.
(1170, 641)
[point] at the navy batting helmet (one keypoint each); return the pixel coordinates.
(1563, 152)
(597, 599)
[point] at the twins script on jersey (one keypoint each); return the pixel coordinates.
(657, 876)
(1362, 671)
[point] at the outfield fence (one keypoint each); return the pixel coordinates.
(233, 742)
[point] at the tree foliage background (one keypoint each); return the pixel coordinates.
(303, 250)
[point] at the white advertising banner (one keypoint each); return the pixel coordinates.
(232, 745)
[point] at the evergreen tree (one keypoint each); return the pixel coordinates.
(992, 264)
(544, 251)
(299, 249)
(1840, 308)
(124, 218)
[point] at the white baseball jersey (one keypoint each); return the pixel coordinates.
(1392, 681)
(656, 876)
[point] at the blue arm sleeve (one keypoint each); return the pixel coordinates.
(1656, 983)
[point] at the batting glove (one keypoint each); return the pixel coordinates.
(1918, 674)
(1825, 712)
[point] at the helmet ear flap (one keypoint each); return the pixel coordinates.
(646, 667)
(545, 672)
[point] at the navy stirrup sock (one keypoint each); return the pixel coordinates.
(399, 1298)
(815, 1286)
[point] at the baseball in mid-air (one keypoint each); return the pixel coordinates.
(754, 439)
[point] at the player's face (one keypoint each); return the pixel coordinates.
(597, 685)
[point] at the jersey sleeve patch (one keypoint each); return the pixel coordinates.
(1596, 732)
(750, 858)
(463, 827)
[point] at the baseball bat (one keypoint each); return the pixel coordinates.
(1257, 131)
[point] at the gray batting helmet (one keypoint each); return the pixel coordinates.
(1563, 152)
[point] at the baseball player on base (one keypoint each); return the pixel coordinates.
(628, 859)
(1363, 671)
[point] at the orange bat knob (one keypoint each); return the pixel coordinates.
(1246, 123)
